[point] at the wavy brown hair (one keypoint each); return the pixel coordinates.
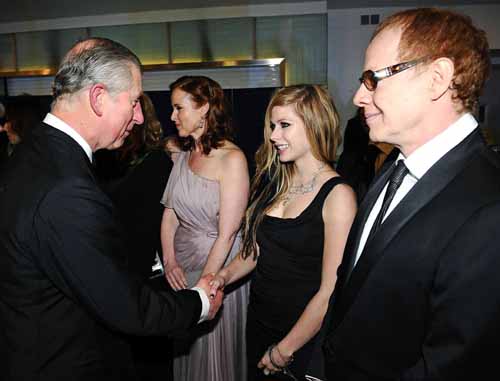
(435, 33)
(272, 178)
(204, 90)
(144, 137)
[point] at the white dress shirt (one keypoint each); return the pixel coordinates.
(418, 163)
(55, 122)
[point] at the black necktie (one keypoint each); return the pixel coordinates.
(397, 176)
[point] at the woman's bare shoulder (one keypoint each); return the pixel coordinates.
(229, 151)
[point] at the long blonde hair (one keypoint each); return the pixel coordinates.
(272, 179)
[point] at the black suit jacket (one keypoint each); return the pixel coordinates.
(423, 302)
(65, 290)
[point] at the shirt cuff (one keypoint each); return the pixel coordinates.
(205, 304)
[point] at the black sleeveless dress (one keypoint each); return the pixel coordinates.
(287, 276)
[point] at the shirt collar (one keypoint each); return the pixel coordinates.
(424, 157)
(57, 123)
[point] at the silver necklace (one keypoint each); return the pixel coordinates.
(302, 188)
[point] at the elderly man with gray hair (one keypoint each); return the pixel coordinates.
(65, 291)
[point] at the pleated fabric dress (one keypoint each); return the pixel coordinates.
(214, 351)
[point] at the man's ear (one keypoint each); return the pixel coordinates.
(442, 71)
(96, 98)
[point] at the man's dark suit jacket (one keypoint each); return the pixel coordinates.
(423, 301)
(65, 291)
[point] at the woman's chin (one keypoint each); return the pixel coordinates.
(283, 158)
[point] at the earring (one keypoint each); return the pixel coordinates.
(202, 123)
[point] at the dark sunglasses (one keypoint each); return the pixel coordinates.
(370, 78)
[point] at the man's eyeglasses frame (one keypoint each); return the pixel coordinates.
(370, 78)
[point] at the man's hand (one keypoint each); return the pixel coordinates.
(215, 300)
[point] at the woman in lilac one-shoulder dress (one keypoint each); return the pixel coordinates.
(205, 200)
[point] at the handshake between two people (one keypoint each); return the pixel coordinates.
(213, 286)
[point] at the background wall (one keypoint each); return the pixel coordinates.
(322, 41)
(183, 35)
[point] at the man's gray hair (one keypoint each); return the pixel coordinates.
(92, 61)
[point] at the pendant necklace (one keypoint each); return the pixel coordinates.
(302, 188)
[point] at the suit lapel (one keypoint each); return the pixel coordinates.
(430, 185)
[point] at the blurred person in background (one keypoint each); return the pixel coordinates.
(21, 114)
(142, 170)
(361, 159)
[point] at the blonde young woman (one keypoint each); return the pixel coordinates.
(296, 227)
(205, 201)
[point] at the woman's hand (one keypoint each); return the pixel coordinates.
(266, 365)
(273, 361)
(217, 283)
(175, 276)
